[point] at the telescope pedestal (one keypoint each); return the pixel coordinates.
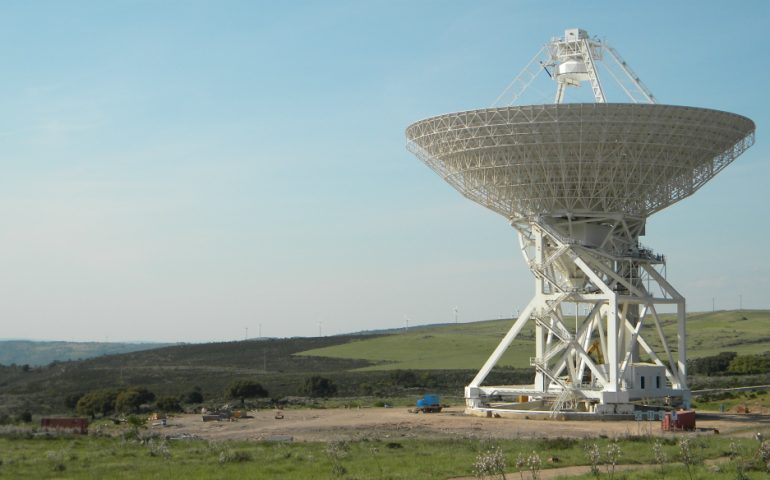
(594, 316)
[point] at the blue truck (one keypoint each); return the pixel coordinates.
(429, 403)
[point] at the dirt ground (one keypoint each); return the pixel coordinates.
(309, 425)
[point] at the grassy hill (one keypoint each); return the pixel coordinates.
(370, 364)
(744, 332)
(448, 347)
(27, 352)
(173, 370)
(468, 345)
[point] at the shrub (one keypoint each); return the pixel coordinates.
(56, 460)
(613, 455)
(336, 451)
(534, 463)
(71, 401)
(136, 421)
(230, 456)
(763, 457)
(492, 462)
(99, 402)
(168, 404)
(158, 448)
(749, 364)
(365, 389)
(711, 365)
(404, 378)
(129, 401)
(317, 386)
(195, 396)
(594, 456)
(661, 458)
(244, 389)
(687, 456)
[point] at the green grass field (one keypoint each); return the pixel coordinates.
(756, 402)
(130, 456)
(745, 332)
(460, 346)
(468, 345)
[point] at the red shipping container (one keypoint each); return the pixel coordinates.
(680, 420)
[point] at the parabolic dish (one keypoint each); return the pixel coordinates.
(634, 159)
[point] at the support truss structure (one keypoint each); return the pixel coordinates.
(598, 292)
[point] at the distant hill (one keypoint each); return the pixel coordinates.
(468, 345)
(434, 347)
(174, 370)
(32, 353)
(448, 354)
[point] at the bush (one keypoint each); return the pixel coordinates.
(129, 401)
(56, 460)
(404, 378)
(365, 389)
(244, 389)
(71, 401)
(168, 404)
(490, 463)
(99, 402)
(195, 396)
(750, 364)
(238, 456)
(158, 448)
(317, 386)
(711, 365)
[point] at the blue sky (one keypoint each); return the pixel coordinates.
(183, 171)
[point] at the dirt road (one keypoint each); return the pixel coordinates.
(389, 423)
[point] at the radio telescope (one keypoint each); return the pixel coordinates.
(578, 182)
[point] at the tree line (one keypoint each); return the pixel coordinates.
(104, 402)
(730, 363)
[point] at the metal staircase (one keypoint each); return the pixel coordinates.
(588, 60)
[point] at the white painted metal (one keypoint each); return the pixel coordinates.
(578, 181)
(632, 159)
(524, 79)
(573, 60)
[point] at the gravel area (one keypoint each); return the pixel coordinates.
(310, 425)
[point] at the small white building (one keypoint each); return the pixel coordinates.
(646, 380)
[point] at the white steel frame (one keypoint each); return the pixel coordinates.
(577, 181)
(618, 283)
(591, 52)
